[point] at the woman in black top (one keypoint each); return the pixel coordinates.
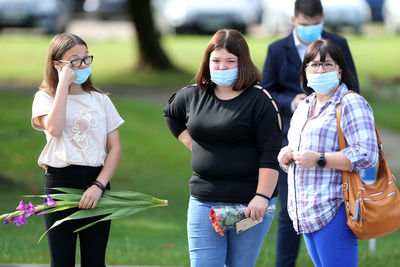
(233, 129)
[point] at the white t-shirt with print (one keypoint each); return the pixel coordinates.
(89, 119)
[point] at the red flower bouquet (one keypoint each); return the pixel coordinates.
(227, 216)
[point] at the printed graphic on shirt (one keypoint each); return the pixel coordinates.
(80, 141)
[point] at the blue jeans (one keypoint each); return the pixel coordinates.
(333, 245)
(208, 248)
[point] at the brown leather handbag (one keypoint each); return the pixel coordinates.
(373, 210)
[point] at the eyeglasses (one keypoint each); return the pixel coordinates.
(78, 62)
(327, 65)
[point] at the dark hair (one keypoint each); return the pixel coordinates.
(60, 44)
(324, 47)
(309, 8)
(235, 44)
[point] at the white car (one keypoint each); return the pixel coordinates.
(208, 16)
(338, 13)
(391, 15)
(277, 15)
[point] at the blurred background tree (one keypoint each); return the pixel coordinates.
(151, 53)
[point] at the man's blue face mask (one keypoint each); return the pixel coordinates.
(309, 34)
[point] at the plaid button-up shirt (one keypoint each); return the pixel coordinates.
(315, 194)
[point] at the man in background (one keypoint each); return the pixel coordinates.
(281, 77)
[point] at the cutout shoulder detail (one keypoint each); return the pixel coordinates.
(273, 103)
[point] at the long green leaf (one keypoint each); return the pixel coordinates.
(62, 196)
(69, 190)
(128, 195)
(124, 194)
(122, 203)
(80, 215)
(57, 209)
(116, 215)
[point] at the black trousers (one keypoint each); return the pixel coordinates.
(61, 239)
(288, 241)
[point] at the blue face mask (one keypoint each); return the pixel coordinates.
(224, 77)
(309, 34)
(323, 83)
(82, 75)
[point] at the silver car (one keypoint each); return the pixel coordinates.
(353, 13)
(207, 16)
(52, 16)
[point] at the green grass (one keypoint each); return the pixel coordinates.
(23, 59)
(153, 162)
(376, 58)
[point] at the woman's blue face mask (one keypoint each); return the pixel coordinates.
(82, 75)
(224, 77)
(323, 83)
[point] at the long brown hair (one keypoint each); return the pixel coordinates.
(234, 42)
(60, 44)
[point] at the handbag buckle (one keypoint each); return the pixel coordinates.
(345, 187)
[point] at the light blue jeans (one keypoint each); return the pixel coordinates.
(208, 249)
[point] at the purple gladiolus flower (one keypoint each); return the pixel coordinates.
(50, 201)
(21, 206)
(7, 221)
(29, 209)
(20, 220)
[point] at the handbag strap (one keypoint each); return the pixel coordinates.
(342, 140)
(342, 143)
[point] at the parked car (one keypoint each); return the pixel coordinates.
(391, 15)
(338, 13)
(207, 16)
(353, 13)
(107, 9)
(52, 16)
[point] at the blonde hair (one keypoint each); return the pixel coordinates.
(60, 44)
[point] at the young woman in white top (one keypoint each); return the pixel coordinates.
(83, 146)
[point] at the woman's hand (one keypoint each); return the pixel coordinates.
(66, 75)
(186, 139)
(306, 159)
(90, 198)
(256, 208)
(285, 157)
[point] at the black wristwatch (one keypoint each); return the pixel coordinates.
(321, 162)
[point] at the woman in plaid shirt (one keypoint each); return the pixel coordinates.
(314, 161)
